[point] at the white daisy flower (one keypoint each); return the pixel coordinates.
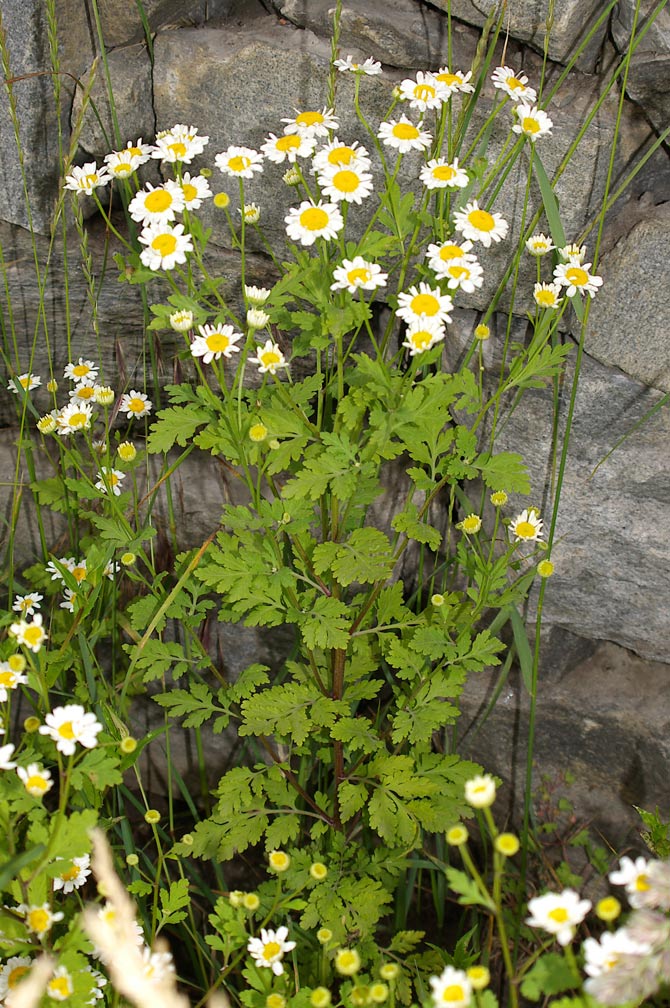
(423, 93)
(289, 147)
(110, 480)
(12, 972)
(73, 877)
(513, 84)
(452, 989)
(547, 295)
(257, 318)
(358, 274)
(527, 527)
(86, 392)
(532, 122)
(157, 205)
(31, 635)
(269, 358)
(60, 986)
(135, 404)
(310, 221)
(455, 82)
(480, 225)
(83, 370)
(36, 780)
(462, 274)
(156, 965)
(69, 599)
(76, 416)
(215, 342)
(39, 919)
(634, 876)
(369, 67)
(239, 162)
(181, 143)
(87, 179)
(439, 255)
(251, 213)
(403, 135)
(337, 154)
(558, 914)
(423, 302)
(77, 569)
(539, 245)
(137, 149)
(423, 334)
(600, 956)
(269, 950)
(122, 164)
(27, 604)
(313, 123)
(480, 791)
(439, 173)
(292, 177)
(166, 246)
(576, 278)
(181, 321)
(9, 679)
(349, 185)
(5, 754)
(195, 189)
(70, 725)
(575, 252)
(256, 295)
(26, 381)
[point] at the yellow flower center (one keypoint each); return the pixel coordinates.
(39, 920)
(80, 370)
(525, 530)
(136, 405)
(158, 201)
(450, 252)
(405, 131)
(258, 432)
(472, 524)
(452, 993)
(458, 272)
(448, 79)
(309, 119)
(7, 679)
(423, 92)
(577, 276)
(421, 339)
(314, 219)
(164, 244)
(60, 986)
(70, 874)
(78, 420)
(85, 392)
(559, 914)
(178, 149)
(16, 974)
(190, 192)
(546, 298)
(341, 155)
(425, 304)
(134, 151)
(123, 168)
(482, 220)
(33, 634)
(217, 342)
(444, 173)
(90, 180)
(79, 573)
(239, 163)
(514, 83)
(65, 730)
(530, 125)
(36, 783)
(642, 883)
(358, 275)
(346, 181)
(289, 142)
(269, 357)
(271, 949)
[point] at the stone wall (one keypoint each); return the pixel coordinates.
(234, 68)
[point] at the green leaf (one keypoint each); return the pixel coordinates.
(407, 521)
(176, 425)
(196, 704)
(504, 471)
(351, 798)
(100, 767)
(523, 651)
(326, 624)
(406, 941)
(173, 902)
(551, 974)
(365, 557)
(468, 892)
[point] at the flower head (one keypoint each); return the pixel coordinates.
(157, 205)
(6, 752)
(181, 321)
(110, 480)
(87, 179)
(279, 861)
(452, 988)
(480, 225)
(347, 961)
(166, 246)
(454, 82)
(312, 123)
(423, 93)
(424, 303)
(195, 189)
(547, 295)
(507, 844)
(558, 913)
(575, 277)
(634, 875)
(39, 919)
(513, 84)
(442, 174)
(368, 68)
(239, 162)
(60, 986)
(336, 154)
(26, 604)
(27, 382)
(269, 358)
(215, 342)
(269, 950)
(9, 679)
(251, 212)
(11, 973)
(462, 274)
(135, 404)
(471, 524)
(31, 635)
(70, 725)
(539, 245)
(348, 184)
(288, 147)
(531, 122)
(310, 221)
(35, 779)
(403, 135)
(257, 318)
(180, 143)
(480, 791)
(256, 295)
(422, 334)
(358, 274)
(527, 527)
(75, 876)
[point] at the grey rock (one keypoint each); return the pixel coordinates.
(630, 318)
(648, 81)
